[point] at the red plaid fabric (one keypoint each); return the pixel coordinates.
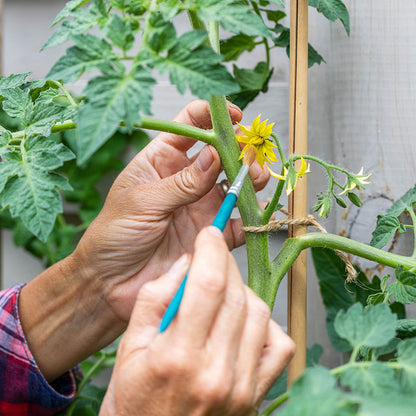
(23, 389)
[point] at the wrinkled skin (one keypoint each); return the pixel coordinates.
(219, 356)
(154, 211)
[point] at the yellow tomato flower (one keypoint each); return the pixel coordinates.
(291, 181)
(356, 181)
(258, 137)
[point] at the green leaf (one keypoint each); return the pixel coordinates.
(313, 355)
(333, 10)
(82, 20)
(118, 4)
(120, 33)
(89, 53)
(336, 293)
(252, 82)
(110, 101)
(5, 137)
(388, 405)
(373, 326)
(234, 46)
(68, 9)
(405, 202)
(192, 64)
(162, 38)
(233, 16)
(374, 379)
(315, 393)
(17, 103)
(386, 228)
(278, 2)
(13, 81)
(314, 57)
(404, 290)
(46, 113)
(406, 357)
(406, 328)
(31, 192)
(275, 15)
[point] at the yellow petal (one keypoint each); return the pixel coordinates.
(262, 128)
(268, 130)
(243, 139)
(275, 175)
(260, 158)
(304, 169)
(255, 124)
(245, 131)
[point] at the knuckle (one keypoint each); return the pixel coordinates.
(261, 310)
(147, 293)
(258, 308)
(243, 397)
(289, 347)
(236, 299)
(213, 282)
(184, 181)
(212, 391)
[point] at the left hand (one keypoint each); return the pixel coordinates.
(154, 211)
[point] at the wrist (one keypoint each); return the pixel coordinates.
(63, 309)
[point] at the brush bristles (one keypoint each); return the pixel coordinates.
(249, 155)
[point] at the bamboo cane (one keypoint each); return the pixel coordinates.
(298, 134)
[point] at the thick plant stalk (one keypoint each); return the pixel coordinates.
(298, 133)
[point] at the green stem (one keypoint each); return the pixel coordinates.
(66, 92)
(413, 217)
(196, 22)
(206, 136)
(271, 208)
(275, 404)
(146, 29)
(84, 381)
(257, 245)
(293, 246)
(354, 355)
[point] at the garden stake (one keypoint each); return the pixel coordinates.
(298, 132)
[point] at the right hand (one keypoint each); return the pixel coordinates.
(220, 355)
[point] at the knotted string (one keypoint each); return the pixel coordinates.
(310, 220)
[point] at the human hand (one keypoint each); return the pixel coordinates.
(219, 356)
(154, 211)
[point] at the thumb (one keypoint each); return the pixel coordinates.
(191, 183)
(153, 300)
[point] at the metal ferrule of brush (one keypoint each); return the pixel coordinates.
(239, 181)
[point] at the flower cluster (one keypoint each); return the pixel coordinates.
(258, 138)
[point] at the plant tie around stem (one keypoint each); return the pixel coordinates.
(310, 220)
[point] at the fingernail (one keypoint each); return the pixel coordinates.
(215, 231)
(180, 266)
(205, 159)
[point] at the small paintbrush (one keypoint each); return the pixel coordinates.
(220, 221)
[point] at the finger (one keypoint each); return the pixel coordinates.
(255, 333)
(153, 300)
(205, 289)
(259, 176)
(277, 353)
(189, 184)
(197, 113)
(228, 327)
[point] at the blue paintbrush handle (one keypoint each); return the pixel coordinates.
(220, 222)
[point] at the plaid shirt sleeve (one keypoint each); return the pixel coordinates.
(23, 389)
